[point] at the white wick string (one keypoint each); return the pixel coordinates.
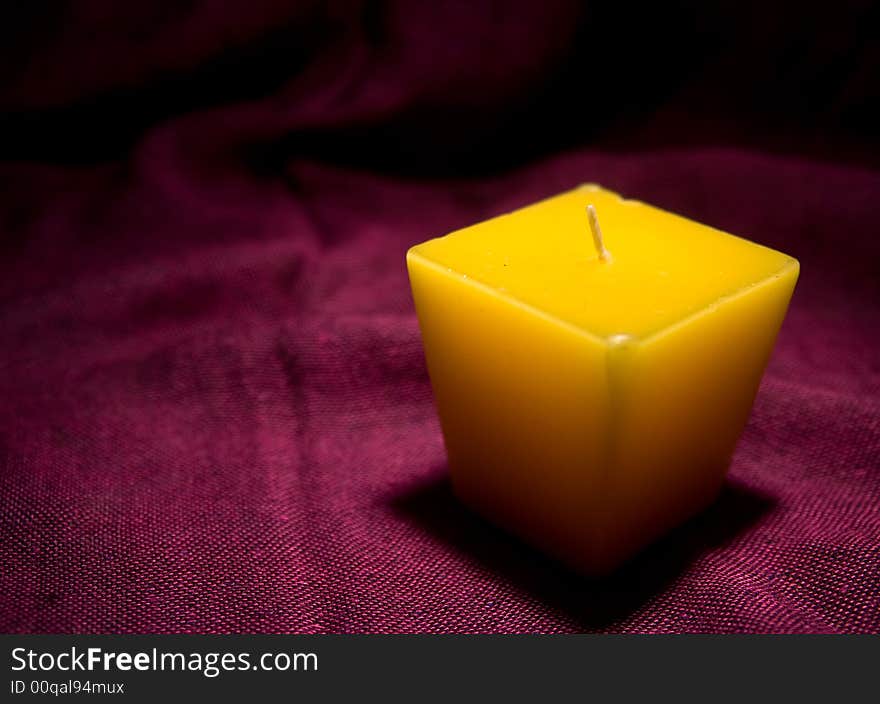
(604, 254)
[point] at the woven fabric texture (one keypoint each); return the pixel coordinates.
(214, 410)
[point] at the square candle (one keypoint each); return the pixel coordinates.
(589, 403)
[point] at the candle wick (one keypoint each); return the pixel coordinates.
(598, 242)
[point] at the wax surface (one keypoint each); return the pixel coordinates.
(664, 267)
(590, 406)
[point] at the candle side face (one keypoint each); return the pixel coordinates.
(681, 401)
(523, 404)
(664, 267)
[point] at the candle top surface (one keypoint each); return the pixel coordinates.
(663, 267)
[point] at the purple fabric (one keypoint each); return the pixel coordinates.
(214, 411)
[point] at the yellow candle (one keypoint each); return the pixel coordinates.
(591, 388)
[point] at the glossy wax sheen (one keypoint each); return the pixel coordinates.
(589, 406)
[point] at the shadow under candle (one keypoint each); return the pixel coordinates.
(594, 604)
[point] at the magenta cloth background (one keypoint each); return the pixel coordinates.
(214, 411)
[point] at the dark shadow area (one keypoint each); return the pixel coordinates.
(595, 604)
(682, 74)
(105, 125)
